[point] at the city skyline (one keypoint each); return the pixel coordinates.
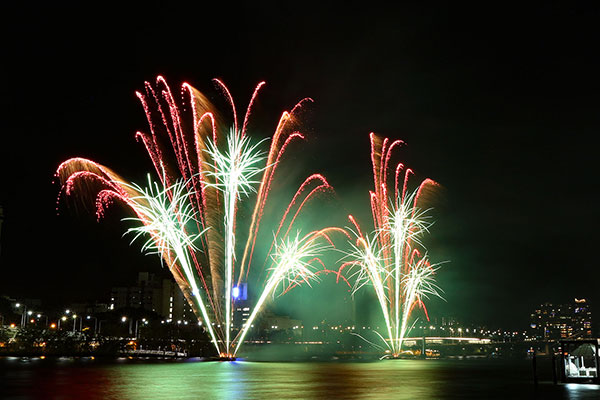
(160, 300)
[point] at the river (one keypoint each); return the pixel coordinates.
(123, 379)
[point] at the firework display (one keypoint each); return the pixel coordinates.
(393, 259)
(189, 217)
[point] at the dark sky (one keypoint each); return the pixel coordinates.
(499, 104)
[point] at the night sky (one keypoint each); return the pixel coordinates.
(500, 105)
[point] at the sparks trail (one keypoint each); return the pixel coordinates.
(294, 264)
(393, 259)
(189, 217)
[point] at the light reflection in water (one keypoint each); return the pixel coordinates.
(398, 379)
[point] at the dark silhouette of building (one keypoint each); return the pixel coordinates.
(151, 293)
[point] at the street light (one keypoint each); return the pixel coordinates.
(23, 318)
(40, 316)
(123, 319)
(75, 322)
(145, 322)
(136, 328)
(95, 323)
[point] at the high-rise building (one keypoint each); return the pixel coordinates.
(562, 321)
(150, 293)
(145, 295)
(174, 305)
(241, 305)
(582, 317)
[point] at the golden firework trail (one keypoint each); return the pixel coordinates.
(190, 218)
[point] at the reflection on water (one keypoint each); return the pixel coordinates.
(399, 379)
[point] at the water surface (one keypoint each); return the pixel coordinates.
(124, 379)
